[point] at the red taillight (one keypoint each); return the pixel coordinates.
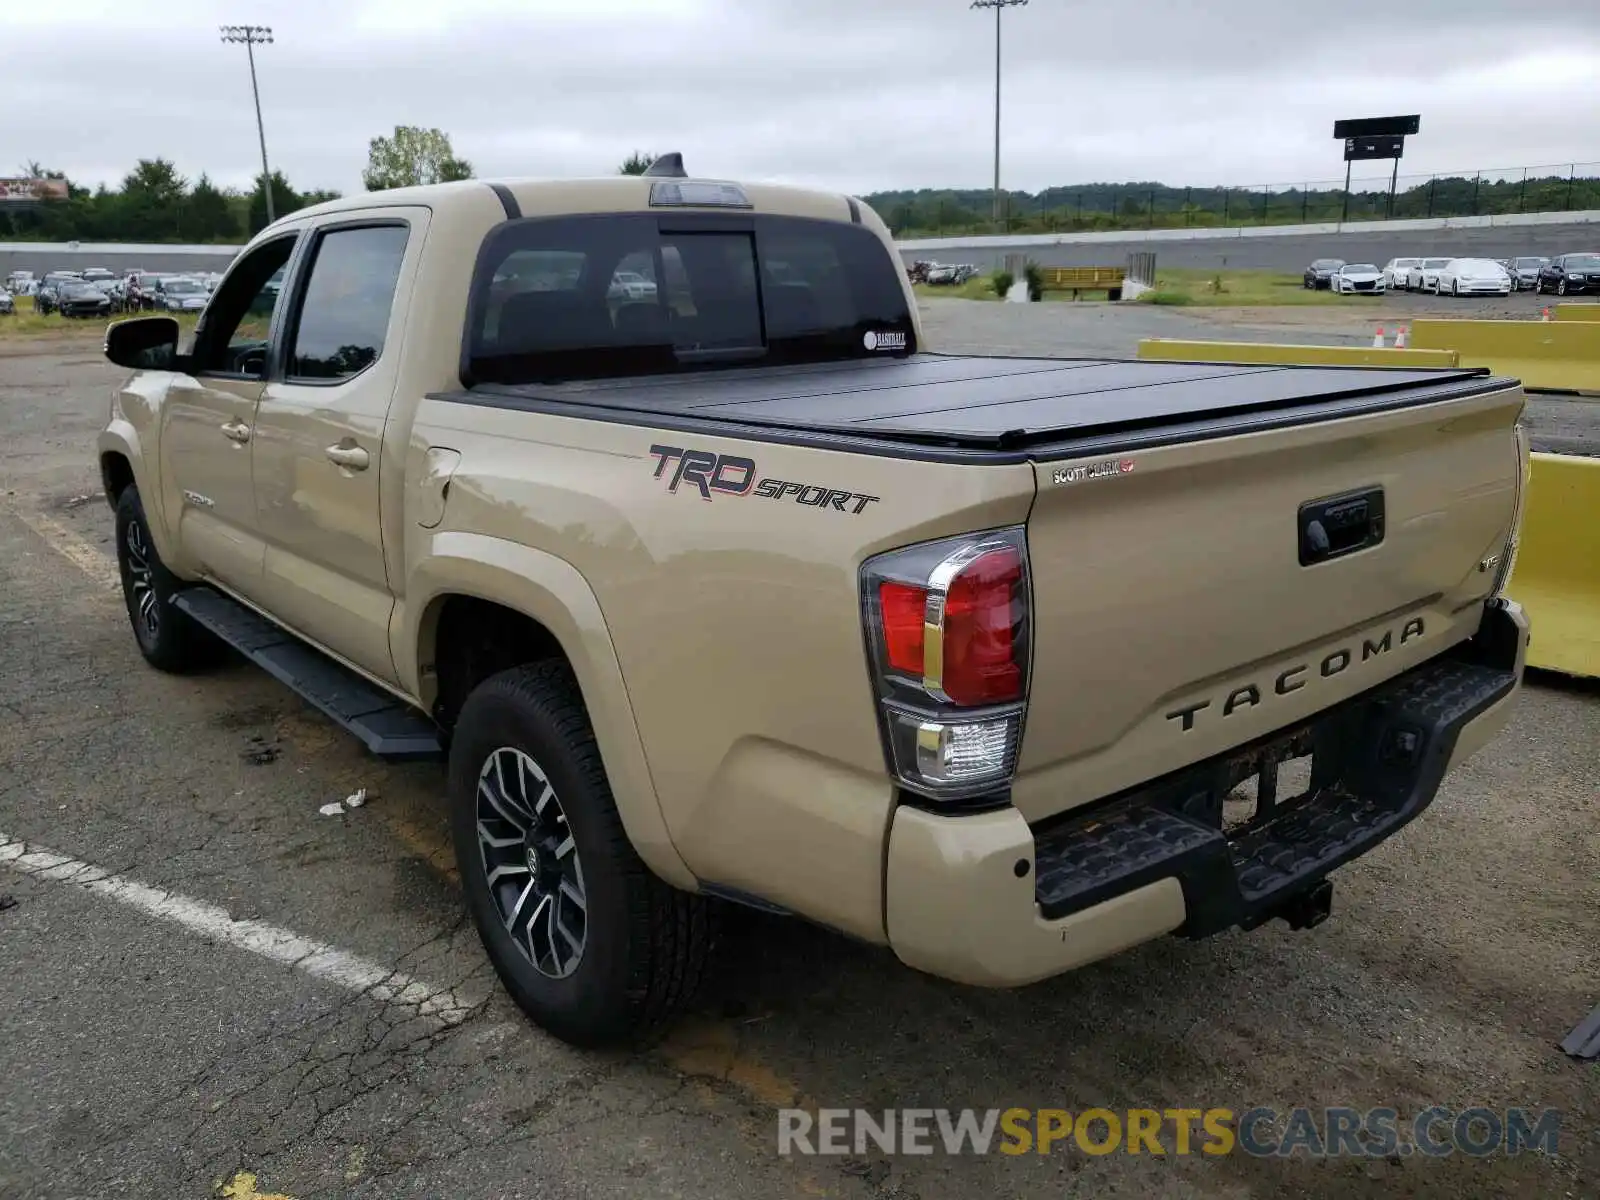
(980, 659)
(948, 624)
(903, 607)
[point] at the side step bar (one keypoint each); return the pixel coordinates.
(389, 728)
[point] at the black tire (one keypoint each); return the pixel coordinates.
(645, 944)
(168, 638)
(1561, 287)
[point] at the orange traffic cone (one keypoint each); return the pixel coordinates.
(1377, 339)
(1400, 339)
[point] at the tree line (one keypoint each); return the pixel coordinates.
(156, 203)
(1149, 205)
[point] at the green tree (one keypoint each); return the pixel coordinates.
(210, 218)
(636, 163)
(411, 157)
(284, 200)
(152, 203)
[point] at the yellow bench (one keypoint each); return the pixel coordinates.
(1084, 279)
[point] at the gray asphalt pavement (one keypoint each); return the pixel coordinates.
(143, 1060)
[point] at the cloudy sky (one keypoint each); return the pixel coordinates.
(851, 94)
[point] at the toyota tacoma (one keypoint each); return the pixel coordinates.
(721, 586)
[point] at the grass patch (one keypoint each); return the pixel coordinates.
(27, 323)
(1224, 289)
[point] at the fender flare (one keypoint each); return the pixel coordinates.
(552, 592)
(120, 437)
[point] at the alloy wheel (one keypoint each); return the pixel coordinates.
(531, 863)
(141, 581)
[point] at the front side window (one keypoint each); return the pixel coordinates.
(344, 316)
(632, 294)
(232, 336)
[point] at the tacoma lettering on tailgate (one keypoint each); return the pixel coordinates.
(1292, 679)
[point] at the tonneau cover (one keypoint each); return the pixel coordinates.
(991, 402)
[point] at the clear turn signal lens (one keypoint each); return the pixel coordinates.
(953, 758)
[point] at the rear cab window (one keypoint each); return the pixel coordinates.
(614, 295)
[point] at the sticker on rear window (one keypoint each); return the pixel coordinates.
(886, 339)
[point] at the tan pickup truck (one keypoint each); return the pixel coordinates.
(643, 500)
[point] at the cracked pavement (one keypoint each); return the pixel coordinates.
(141, 1060)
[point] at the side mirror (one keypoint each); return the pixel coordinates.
(143, 343)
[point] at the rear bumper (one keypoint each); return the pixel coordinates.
(989, 900)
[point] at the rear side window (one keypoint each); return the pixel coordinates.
(344, 315)
(626, 294)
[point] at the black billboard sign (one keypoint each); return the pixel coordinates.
(1366, 127)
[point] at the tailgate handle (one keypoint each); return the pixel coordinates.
(1340, 525)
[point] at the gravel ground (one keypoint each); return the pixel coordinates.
(144, 1062)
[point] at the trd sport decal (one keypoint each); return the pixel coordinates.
(729, 475)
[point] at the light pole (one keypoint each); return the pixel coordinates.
(252, 36)
(999, 6)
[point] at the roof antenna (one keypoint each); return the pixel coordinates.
(669, 166)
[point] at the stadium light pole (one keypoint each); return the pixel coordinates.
(999, 6)
(253, 36)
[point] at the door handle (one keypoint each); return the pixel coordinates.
(353, 458)
(236, 431)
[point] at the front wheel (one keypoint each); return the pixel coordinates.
(168, 637)
(1561, 287)
(590, 944)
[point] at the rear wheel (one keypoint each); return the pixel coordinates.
(589, 943)
(168, 638)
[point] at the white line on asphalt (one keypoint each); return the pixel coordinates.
(316, 959)
(95, 563)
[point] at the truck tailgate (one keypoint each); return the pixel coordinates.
(1183, 605)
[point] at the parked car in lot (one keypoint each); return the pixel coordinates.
(179, 293)
(98, 275)
(1357, 279)
(741, 596)
(8, 304)
(1396, 270)
(1320, 273)
(631, 285)
(1424, 277)
(18, 282)
(1525, 270)
(80, 298)
(1473, 277)
(1569, 273)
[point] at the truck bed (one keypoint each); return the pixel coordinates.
(982, 406)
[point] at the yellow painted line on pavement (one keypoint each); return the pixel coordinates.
(91, 560)
(243, 1187)
(710, 1050)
